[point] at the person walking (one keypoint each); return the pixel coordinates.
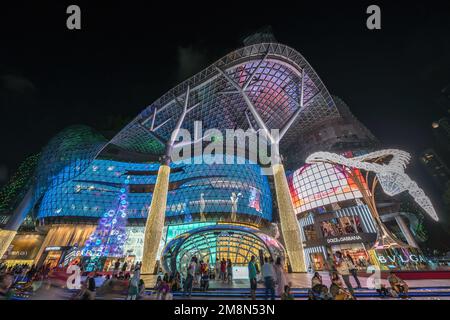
(342, 268)
(190, 277)
(141, 290)
(268, 275)
(280, 277)
(133, 287)
(223, 270)
(89, 294)
(229, 271)
(353, 270)
(252, 277)
(116, 267)
(329, 265)
(198, 273)
(175, 282)
(124, 267)
(217, 270)
(204, 282)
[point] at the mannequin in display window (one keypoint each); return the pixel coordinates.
(234, 204)
(202, 208)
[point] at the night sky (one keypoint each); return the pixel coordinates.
(128, 54)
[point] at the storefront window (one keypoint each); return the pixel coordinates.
(310, 233)
(318, 261)
(356, 252)
(341, 226)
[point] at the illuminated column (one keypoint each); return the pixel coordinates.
(288, 220)
(157, 211)
(155, 219)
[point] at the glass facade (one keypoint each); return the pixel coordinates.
(232, 242)
(66, 156)
(316, 185)
(195, 191)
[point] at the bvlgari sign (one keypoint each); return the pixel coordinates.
(396, 259)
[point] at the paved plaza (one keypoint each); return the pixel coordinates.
(426, 289)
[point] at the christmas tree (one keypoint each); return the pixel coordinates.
(109, 237)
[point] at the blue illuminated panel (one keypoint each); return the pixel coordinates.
(92, 192)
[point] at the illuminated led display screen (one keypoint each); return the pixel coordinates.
(319, 184)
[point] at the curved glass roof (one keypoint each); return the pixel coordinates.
(222, 241)
(273, 73)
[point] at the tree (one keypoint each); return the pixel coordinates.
(109, 237)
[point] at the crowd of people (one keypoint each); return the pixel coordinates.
(340, 267)
(274, 277)
(21, 278)
(127, 282)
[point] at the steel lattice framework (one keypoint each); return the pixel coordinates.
(273, 74)
(237, 243)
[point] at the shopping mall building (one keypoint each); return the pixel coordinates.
(98, 200)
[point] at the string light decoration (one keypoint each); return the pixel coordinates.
(19, 183)
(386, 164)
(389, 166)
(109, 238)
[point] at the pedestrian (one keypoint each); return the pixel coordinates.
(342, 268)
(89, 294)
(286, 295)
(141, 290)
(229, 271)
(398, 285)
(217, 270)
(163, 290)
(116, 267)
(252, 272)
(258, 272)
(223, 270)
(329, 264)
(280, 276)
(337, 289)
(198, 273)
(353, 270)
(190, 277)
(204, 282)
(268, 275)
(316, 284)
(175, 283)
(133, 287)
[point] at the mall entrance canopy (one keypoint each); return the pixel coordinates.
(237, 243)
